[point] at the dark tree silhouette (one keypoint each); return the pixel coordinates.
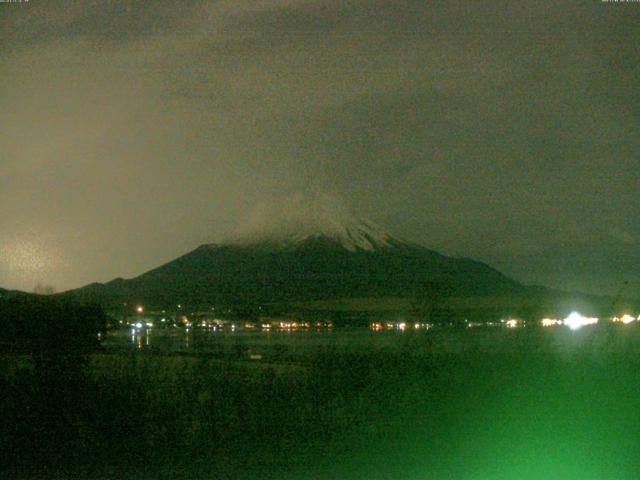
(42, 325)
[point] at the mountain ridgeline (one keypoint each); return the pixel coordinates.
(357, 261)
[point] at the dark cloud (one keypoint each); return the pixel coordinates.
(505, 131)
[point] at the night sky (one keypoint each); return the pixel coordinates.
(134, 131)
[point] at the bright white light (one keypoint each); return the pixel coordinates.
(512, 323)
(138, 325)
(139, 309)
(627, 319)
(575, 321)
(402, 326)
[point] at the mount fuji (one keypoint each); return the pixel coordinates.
(324, 255)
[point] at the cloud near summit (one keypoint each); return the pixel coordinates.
(299, 214)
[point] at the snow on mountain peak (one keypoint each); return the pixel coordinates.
(302, 217)
(356, 235)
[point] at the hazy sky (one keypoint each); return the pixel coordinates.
(131, 131)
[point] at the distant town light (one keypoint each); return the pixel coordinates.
(626, 319)
(512, 323)
(575, 321)
(550, 322)
(139, 309)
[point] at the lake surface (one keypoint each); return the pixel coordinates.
(260, 344)
(473, 404)
(447, 403)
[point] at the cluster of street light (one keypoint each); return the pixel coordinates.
(574, 321)
(626, 319)
(399, 325)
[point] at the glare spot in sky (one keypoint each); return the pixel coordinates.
(28, 256)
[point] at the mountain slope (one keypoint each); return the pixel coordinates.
(344, 261)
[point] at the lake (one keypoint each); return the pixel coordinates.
(437, 340)
(447, 403)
